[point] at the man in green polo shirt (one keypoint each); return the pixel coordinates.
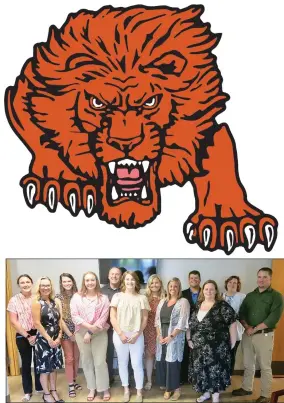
(259, 314)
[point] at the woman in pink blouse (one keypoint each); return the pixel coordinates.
(89, 312)
(20, 313)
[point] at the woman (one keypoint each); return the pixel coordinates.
(234, 298)
(154, 292)
(89, 312)
(212, 333)
(48, 355)
(171, 322)
(128, 316)
(20, 313)
(68, 288)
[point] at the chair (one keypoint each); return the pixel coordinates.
(275, 395)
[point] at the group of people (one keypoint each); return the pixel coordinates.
(189, 336)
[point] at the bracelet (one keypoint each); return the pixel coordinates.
(188, 340)
(28, 336)
(171, 336)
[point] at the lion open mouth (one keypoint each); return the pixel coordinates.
(129, 180)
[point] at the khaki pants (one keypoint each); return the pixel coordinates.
(260, 347)
(93, 358)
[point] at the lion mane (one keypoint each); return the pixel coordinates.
(126, 99)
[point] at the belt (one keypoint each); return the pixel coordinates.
(264, 331)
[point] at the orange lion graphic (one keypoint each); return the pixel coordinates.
(121, 102)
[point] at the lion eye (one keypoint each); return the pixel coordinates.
(96, 103)
(151, 102)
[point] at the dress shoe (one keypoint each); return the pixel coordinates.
(241, 392)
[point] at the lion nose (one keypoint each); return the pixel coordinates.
(125, 145)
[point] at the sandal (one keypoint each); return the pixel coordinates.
(27, 397)
(126, 397)
(72, 392)
(176, 395)
(148, 386)
(56, 401)
(167, 395)
(106, 396)
(77, 386)
(91, 398)
(47, 394)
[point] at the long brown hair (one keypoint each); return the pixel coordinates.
(218, 296)
(66, 298)
(83, 290)
(134, 276)
(231, 278)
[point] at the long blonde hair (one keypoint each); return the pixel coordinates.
(84, 290)
(174, 280)
(36, 293)
(148, 290)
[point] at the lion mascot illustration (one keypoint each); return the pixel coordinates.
(121, 102)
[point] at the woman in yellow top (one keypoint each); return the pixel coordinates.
(128, 315)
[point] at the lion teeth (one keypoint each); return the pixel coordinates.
(127, 161)
(111, 166)
(144, 193)
(114, 194)
(145, 165)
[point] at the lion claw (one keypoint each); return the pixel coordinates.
(52, 199)
(50, 192)
(226, 234)
(30, 193)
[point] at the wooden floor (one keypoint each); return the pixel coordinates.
(155, 395)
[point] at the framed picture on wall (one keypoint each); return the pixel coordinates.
(143, 267)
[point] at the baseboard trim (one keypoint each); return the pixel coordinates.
(277, 369)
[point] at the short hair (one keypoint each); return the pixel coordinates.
(37, 294)
(24, 275)
(137, 282)
(122, 269)
(195, 272)
(239, 286)
(267, 269)
(174, 280)
(218, 296)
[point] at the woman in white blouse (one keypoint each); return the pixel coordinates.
(128, 316)
(234, 298)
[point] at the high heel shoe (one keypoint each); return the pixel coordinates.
(56, 401)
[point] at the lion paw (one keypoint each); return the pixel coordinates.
(74, 196)
(226, 234)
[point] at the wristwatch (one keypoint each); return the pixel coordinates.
(90, 332)
(28, 336)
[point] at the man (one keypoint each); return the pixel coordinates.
(114, 277)
(191, 294)
(259, 314)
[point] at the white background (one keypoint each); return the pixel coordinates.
(250, 57)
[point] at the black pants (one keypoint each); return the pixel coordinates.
(233, 358)
(185, 363)
(26, 353)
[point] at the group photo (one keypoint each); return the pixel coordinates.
(134, 330)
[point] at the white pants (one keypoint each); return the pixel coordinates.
(136, 353)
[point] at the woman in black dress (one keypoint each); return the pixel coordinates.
(48, 355)
(211, 336)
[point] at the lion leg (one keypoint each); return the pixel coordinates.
(223, 218)
(49, 180)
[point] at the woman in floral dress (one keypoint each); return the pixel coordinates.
(154, 292)
(211, 336)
